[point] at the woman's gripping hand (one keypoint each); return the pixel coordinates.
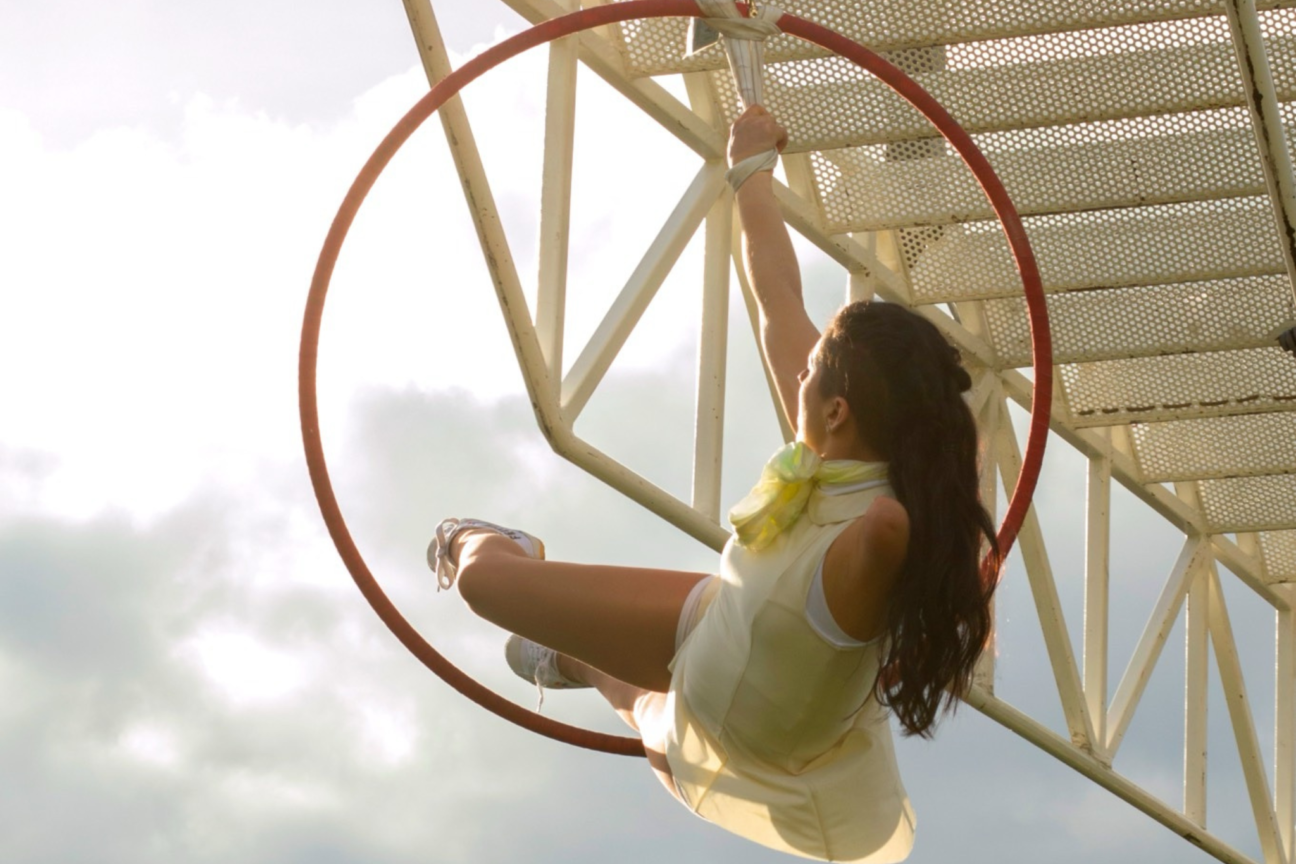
(754, 132)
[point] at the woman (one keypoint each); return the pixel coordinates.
(853, 586)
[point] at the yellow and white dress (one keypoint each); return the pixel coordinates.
(775, 734)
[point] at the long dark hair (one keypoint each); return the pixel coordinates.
(904, 385)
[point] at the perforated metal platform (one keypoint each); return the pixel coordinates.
(1122, 133)
(1146, 147)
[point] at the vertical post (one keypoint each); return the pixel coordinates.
(1048, 605)
(610, 336)
(713, 347)
(1285, 730)
(1239, 708)
(701, 97)
(1097, 580)
(1196, 664)
(860, 284)
(800, 178)
(988, 419)
(1148, 650)
(555, 201)
(1249, 543)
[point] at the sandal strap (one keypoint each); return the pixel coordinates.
(447, 568)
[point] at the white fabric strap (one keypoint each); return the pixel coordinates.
(744, 43)
(742, 172)
(723, 17)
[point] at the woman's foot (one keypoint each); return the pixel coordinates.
(443, 551)
(536, 664)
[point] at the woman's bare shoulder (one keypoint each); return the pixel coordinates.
(884, 529)
(862, 566)
(878, 539)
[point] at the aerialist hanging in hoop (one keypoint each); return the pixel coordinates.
(853, 586)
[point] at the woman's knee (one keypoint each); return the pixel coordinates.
(478, 581)
(484, 570)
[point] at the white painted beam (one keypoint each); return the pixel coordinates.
(701, 97)
(697, 133)
(1066, 753)
(1136, 676)
(603, 58)
(1239, 708)
(861, 285)
(1048, 605)
(1285, 729)
(1249, 568)
(555, 203)
(486, 219)
(1097, 591)
(987, 404)
(857, 257)
(800, 179)
(612, 332)
(842, 248)
(603, 467)
(1267, 122)
(1124, 469)
(1195, 698)
(713, 347)
(985, 391)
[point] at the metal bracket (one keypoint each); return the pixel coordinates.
(701, 37)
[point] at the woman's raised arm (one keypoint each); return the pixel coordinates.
(787, 333)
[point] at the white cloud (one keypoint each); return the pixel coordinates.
(245, 669)
(154, 288)
(268, 792)
(152, 744)
(150, 298)
(390, 733)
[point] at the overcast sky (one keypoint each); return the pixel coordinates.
(186, 671)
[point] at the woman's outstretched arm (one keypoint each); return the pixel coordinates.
(787, 333)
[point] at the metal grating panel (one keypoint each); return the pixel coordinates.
(1147, 321)
(1249, 503)
(1119, 130)
(1180, 386)
(828, 103)
(657, 46)
(1100, 249)
(1089, 166)
(1216, 447)
(1279, 551)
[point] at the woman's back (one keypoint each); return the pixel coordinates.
(777, 736)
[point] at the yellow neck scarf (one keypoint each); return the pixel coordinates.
(786, 481)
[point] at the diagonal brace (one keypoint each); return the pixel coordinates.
(1146, 654)
(630, 304)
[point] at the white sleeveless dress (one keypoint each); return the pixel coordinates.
(774, 733)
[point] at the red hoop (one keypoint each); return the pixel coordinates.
(1041, 344)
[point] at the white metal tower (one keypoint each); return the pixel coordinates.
(1147, 143)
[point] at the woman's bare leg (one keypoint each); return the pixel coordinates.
(613, 627)
(642, 710)
(619, 620)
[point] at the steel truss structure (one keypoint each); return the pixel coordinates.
(1146, 145)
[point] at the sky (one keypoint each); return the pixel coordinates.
(187, 672)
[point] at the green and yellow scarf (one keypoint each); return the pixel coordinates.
(779, 497)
